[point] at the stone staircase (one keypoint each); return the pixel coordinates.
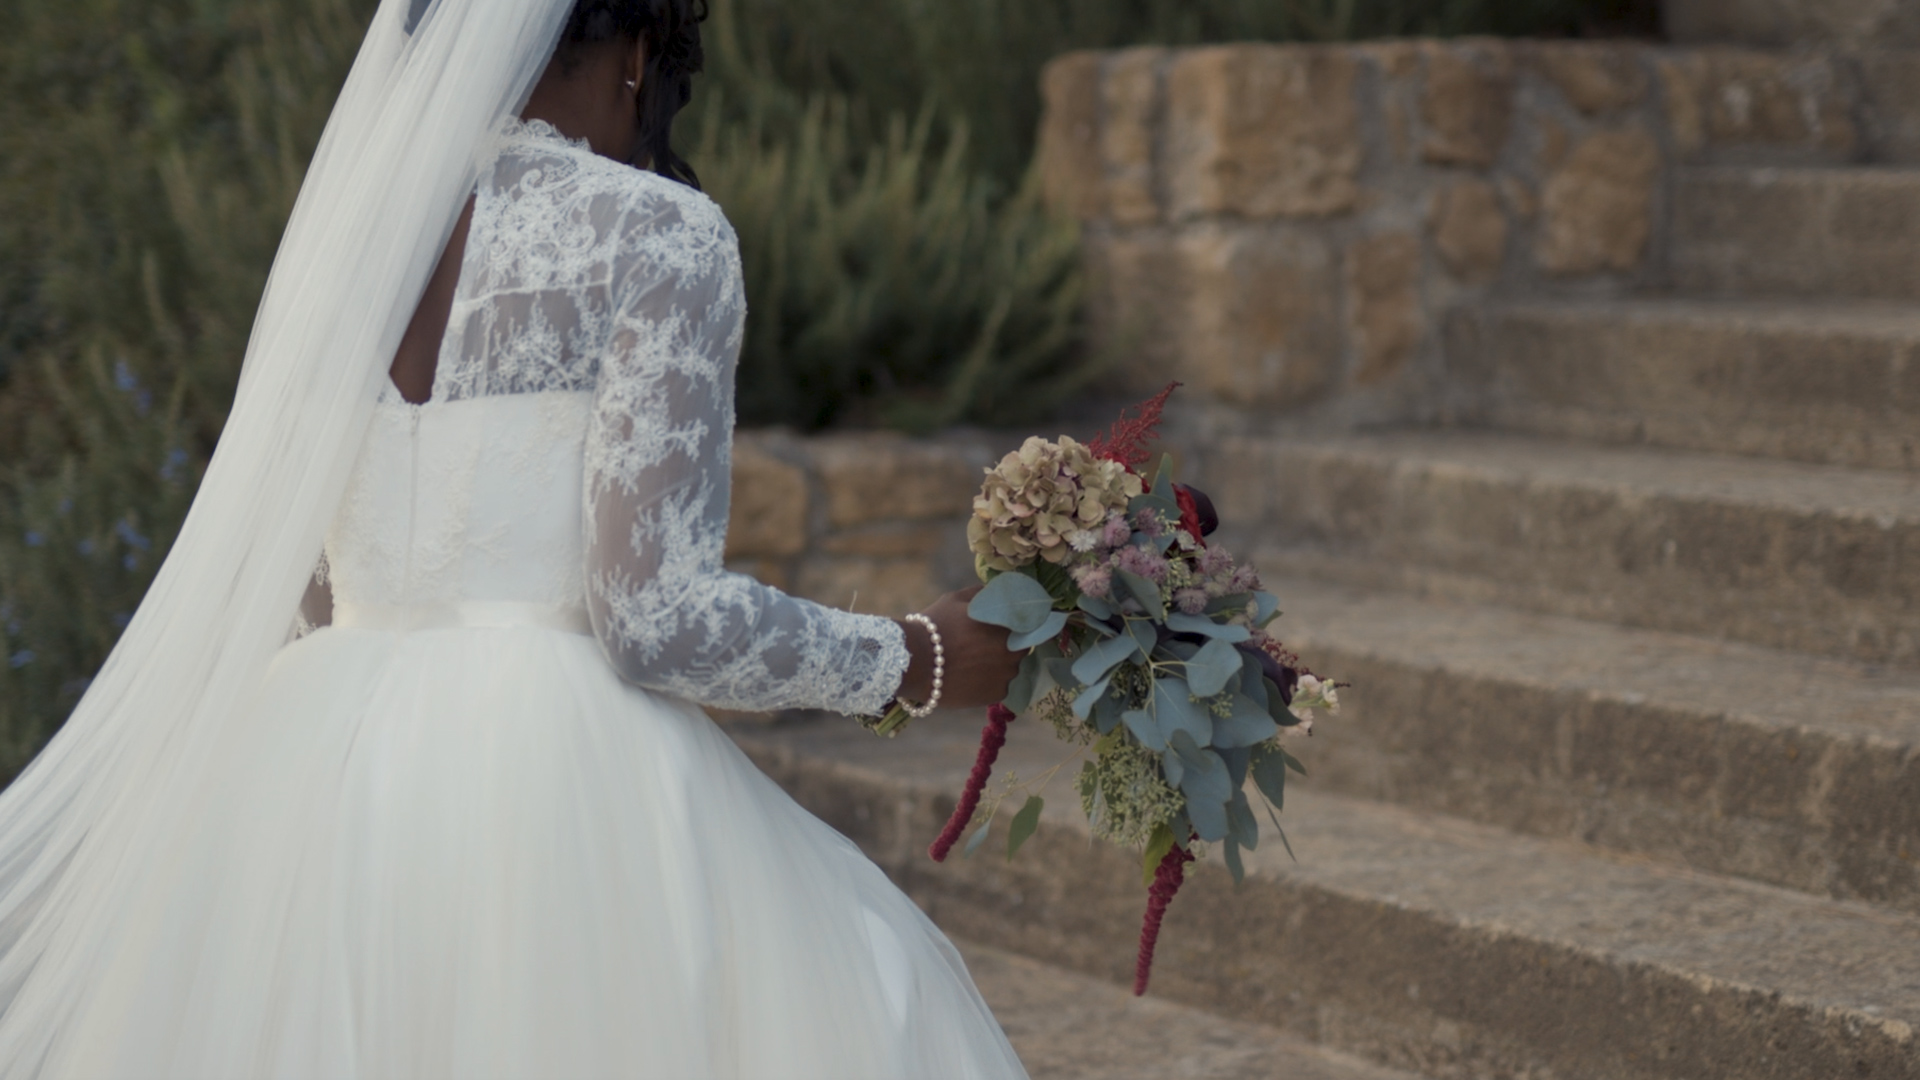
(1628, 787)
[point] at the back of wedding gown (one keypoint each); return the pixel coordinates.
(478, 827)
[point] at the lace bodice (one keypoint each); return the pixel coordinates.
(591, 348)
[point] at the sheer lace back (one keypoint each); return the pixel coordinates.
(597, 322)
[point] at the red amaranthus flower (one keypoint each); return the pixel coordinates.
(1127, 441)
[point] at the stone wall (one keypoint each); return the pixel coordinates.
(869, 522)
(1284, 227)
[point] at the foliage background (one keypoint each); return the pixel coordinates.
(873, 155)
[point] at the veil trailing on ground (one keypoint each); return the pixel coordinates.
(433, 81)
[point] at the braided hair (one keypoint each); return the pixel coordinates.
(670, 30)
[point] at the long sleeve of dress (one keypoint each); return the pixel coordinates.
(658, 478)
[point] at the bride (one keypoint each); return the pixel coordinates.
(477, 826)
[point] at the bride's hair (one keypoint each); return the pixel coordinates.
(671, 31)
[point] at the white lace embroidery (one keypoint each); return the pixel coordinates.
(585, 275)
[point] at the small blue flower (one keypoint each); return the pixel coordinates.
(129, 562)
(142, 402)
(21, 659)
(35, 539)
(120, 619)
(123, 377)
(84, 547)
(66, 507)
(176, 460)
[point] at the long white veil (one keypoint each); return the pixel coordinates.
(109, 794)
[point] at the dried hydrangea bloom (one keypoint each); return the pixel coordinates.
(1039, 496)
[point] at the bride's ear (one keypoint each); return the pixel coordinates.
(634, 65)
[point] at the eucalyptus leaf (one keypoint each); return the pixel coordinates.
(1242, 827)
(1158, 845)
(1200, 624)
(1236, 759)
(1102, 657)
(1175, 649)
(1046, 631)
(1163, 481)
(1247, 725)
(1277, 704)
(1012, 600)
(1234, 867)
(1023, 824)
(1171, 767)
(1211, 667)
(1057, 581)
(1106, 714)
(1020, 692)
(1234, 602)
(1292, 762)
(1175, 711)
(1090, 696)
(973, 842)
(1269, 608)
(1143, 634)
(1204, 783)
(1141, 724)
(1146, 592)
(1253, 680)
(1094, 606)
(1270, 775)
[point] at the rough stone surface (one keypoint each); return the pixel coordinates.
(1798, 232)
(1829, 383)
(1388, 322)
(1130, 96)
(1072, 173)
(1470, 229)
(880, 477)
(1068, 1026)
(1890, 86)
(1691, 752)
(1803, 557)
(1261, 327)
(1262, 131)
(1450, 949)
(1596, 79)
(1794, 22)
(768, 516)
(1468, 104)
(869, 586)
(1597, 208)
(1723, 101)
(1135, 302)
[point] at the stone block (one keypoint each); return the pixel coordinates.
(1386, 319)
(1134, 305)
(1802, 232)
(1596, 79)
(1470, 229)
(1890, 90)
(1597, 208)
(886, 477)
(1733, 99)
(768, 515)
(891, 587)
(1071, 172)
(1467, 104)
(766, 571)
(889, 539)
(1262, 131)
(1130, 99)
(1259, 327)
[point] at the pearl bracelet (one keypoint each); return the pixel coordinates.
(939, 669)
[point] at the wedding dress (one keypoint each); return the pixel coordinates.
(477, 826)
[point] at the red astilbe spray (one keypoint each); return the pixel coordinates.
(1127, 441)
(1166, 881)
(992, 738)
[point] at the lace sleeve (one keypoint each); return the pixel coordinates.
(658, 475)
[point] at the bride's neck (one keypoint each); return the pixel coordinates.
(590, 98)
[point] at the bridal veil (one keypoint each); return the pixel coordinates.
(112, 791)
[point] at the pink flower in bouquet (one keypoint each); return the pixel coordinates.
(1094, 580)
(1139, 560)
(1118, 532)
(1245, 579)
(1190, 600)
(1215, 561)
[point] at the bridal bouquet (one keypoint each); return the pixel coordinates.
(1147, 650)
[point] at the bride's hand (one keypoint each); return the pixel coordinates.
(979, 665)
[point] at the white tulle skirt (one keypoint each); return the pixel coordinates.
(477, 853)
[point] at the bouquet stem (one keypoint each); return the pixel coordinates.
(992, 738)
(1166, 881)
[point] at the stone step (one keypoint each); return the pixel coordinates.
(1421, 942)
(1069, 1026)
(1835, 382)
(1809, 558)
(1789, 769)
(1851, 232)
